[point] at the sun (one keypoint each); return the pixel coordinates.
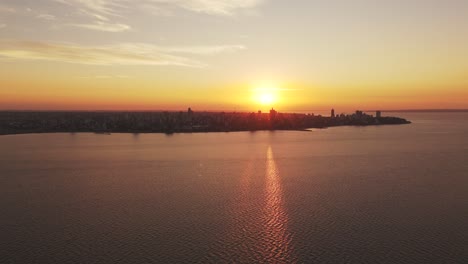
(266, 98)
(266, 95)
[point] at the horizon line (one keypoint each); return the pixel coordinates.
(448, 110)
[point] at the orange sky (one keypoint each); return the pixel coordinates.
(225, 55)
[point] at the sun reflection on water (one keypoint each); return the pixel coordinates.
(259, 226)
(278, 246)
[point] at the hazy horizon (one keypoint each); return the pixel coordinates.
(318, 111)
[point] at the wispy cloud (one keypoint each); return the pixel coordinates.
(46, 17)
(115, 8)
(205, 50)
(116, 54)
(100, 7)
(118, 15)
(104, 26)
(156, 10)
(212, 7)
(101, 11)
(6, 9)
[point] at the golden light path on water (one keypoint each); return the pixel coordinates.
(258, 232)
(278, 240)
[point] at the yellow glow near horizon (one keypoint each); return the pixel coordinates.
(266, 98)
(245, 63)
(266, 95)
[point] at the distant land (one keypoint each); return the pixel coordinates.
(424, 111)
(21, 122)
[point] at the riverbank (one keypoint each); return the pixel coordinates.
(177, 122)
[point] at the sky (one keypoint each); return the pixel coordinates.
(239, 55)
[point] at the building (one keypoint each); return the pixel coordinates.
(378, 114)
(332, 113)
(273, 113)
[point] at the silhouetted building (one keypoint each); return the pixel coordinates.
(171, 122)
(378, 114)
(332, 113)
(273, 113)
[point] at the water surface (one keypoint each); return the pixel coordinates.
(388, 194)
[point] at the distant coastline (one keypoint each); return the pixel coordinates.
(105, 122)
(425, 111)
(230, 111)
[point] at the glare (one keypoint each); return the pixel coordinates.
(267, 98)
(266, 94)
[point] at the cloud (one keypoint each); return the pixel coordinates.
(116, 54)
(118, 15)
(103, 26)
(212, 7)
(156, 10)
(205, 50)
(45, 17)
(100, 7)
(102, 10)
(116, 8)
(6, 9)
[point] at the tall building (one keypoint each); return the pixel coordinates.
(272, 113)
(332, 113)
(378, 114)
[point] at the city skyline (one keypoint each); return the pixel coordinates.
(227, 55)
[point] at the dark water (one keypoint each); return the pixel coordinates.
(393, 194)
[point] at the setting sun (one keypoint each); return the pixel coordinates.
(266, 94)
(267, 98)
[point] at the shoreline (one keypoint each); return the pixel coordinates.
(192, 132)
(13, 123)
(143, 132)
